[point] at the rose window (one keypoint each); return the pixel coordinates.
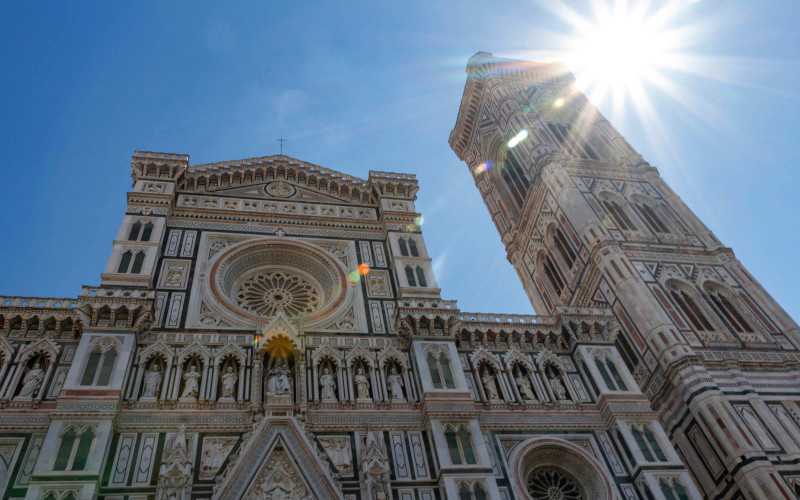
(268, 293)
(552, 484)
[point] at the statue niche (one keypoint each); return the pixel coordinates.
(32, 381)
(152, 379)
(394, 381)
(190, 380)
(279, 368)
(228, 380)
(555, 379)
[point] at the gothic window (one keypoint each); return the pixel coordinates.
(148, 230)
(553, 274)
(673, 490)
(652, 220)
(124, 262)
(103, 361)
(728, 312)
(610, 374)
(403, 247)
(689, 308)
(421, 277)
(564, 248)
(460, 446)
(439, 368)
(647, 443)
(410, 276)
(578, 146)
(137, 263)
(134, 234)
(514, 177)
(476, 493)
(619, 215)
(412, 246)
(74, 450)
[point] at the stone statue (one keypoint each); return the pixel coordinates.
(524, 386)
(489, 385)
(395, 383)
(557, 385)
(152, 382)
(278, 382)
(229, 379)
(327, 385)
(32, 382)
(191, 383)
(362, 385)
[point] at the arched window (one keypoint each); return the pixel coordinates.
(412, 246)
(553, 275)
(653, 221)
(439, 368)
(654, 446)
(82, 453)
(648, 444)
(92, 363)
(691, 311)
(673, 490)
(107, 367)
(134, 234)
(612, 367)
(137, 263)
(618, 214)
(65, 450)
(666, 490)
(564, 248)
(514, 177)
(637, 435)
(124, 262)
(51, 496)
(421, 277)
(728, 312)
(433, 367)
(148, 230)
(403, 248)
(477, 493)
(410, 276)
(459, 445)
(601, 367)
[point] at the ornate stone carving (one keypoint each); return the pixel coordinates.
(340, 453)
(375, 468)
(215, 451)
(191, 383)
(327, 385)
(266, 294)
(175, 473)
(279, 480)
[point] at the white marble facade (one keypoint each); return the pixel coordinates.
(278, 332)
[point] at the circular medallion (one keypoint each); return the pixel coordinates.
(262, 278)
(280, 189)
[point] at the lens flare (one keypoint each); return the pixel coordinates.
(363, 269)
(354, 277)
(256, 341)
(521, 136)
(419, 220)
(558, 102)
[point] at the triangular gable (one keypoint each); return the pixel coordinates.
(261, 190)
(277, 457)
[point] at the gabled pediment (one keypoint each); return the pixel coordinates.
(277, 460)
(278, 177)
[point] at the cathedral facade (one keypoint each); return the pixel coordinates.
(271, 329)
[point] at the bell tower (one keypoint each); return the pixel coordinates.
(586, 222)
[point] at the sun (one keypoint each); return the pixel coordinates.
(625, 46)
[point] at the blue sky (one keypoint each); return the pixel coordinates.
(356, 86)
